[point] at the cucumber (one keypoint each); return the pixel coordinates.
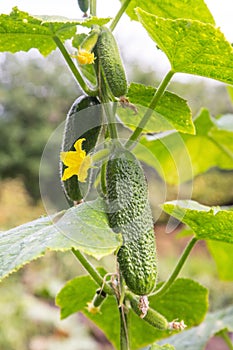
(129, 213)
(84, 5)
(80, 123)
(109, 60)
(152, 317)
(90, 40)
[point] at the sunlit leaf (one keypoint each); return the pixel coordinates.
(172, 112)
(75, 295)
(179, 157)
(210, 223)
(192, 9)
(20, 31)
(84, 227)
(222, 254)
(191, 46)
(190, 306)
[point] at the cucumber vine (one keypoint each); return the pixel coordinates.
(122, 207)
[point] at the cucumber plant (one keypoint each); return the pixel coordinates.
(120, 219)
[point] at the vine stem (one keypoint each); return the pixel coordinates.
(73, 68)
(178, 267)
(124, 338)
(158, 94)
(225, 337)
(92, 271)
(110, 114)
(119, 14)
(93, 7)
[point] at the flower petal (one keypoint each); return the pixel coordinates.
(69, 172)
(85, 57)
(78, 146)
(83, 170)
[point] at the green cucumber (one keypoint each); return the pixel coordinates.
(84, 5)
(130, 214)
(109, 60)
(152, 317)
(81, 122)
(90, 40)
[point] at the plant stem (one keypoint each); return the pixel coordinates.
(224, 334)
(124, 338)
(92, 271)
(119, 14)
(178, 267)
(73, 68)
(93, 7)
(110, 114)
(158, 94)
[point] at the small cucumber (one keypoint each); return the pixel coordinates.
(110, 62)
(130, 214)
(81, 122)
(96, 303)
(90, 40)
(84, 5)
(152, 317)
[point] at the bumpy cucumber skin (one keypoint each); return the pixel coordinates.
(84, 5)
(110, 61)
(130, 214)
(75, 123)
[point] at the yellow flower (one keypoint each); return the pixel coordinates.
(77, 162)
(93, 309)
(85, 57)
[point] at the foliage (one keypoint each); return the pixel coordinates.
(178, 149)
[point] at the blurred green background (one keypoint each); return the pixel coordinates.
(36, 94)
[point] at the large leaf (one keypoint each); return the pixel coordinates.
(20, 32)
(172, 112)
(191, 46)
(210, 223)
(84, 227)
(222, 133)
(174, 304)
(179, 157)
(75, 295)
(192, 9)
(222, 254)
(196, 338)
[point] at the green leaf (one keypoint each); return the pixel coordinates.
(179, 157)
(163, 347)
(222, 133)
(196, 338)
(193, 9)
(172, 112)
(222, 254)
(210, 223)
(86, 22)
(175, 303)
(83, 227)
(75, 295)
(191, 46)
(19, 31)
(190, 306)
